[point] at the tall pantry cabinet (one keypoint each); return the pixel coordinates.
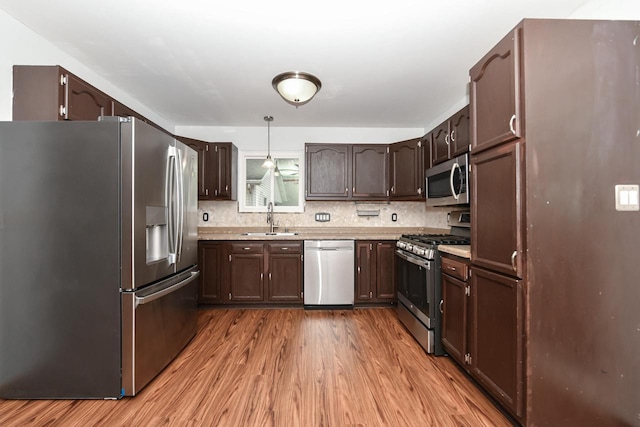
(555, 119)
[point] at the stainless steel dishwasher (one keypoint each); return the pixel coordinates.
(329, 279)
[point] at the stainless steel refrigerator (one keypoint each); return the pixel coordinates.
(98, 256)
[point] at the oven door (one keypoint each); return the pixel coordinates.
(447, 183)
(416, 286)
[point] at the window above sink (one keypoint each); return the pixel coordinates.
(283, 185)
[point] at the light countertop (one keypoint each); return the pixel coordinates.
(314, 233)
(463, 251)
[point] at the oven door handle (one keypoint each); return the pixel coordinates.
(413, 260)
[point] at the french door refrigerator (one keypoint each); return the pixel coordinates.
(98, 256)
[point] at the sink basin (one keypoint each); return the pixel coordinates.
(267, 234)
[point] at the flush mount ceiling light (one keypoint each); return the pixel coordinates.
(296, 87)
(268, 162)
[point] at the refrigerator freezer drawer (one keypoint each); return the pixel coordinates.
(157, 323)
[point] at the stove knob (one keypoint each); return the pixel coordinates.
(409, 247)
(401, 245)
(429, 253)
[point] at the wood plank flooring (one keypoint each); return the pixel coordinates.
(287, 367)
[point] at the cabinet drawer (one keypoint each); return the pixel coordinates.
(284, 247)
(246, 247)
(455, 268)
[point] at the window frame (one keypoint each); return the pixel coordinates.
(243, 156)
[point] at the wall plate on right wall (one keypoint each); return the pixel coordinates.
(627, 198)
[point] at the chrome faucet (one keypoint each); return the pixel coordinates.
(270, 217)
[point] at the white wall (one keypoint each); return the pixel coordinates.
(594, 9)
(609, 9)
(21, 46)
(293, 138)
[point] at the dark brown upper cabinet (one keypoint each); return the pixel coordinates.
(49, 92)
(370, 171)
(347, 171)
(53, 93)
(494, 95)
(440, 143)
(459, 136)
(406, 168)
(451, 138)
(224, 157)
(204, 176)
(327, 170)
(217, 168)
(121, 110)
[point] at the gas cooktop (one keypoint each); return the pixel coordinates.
(436, 239)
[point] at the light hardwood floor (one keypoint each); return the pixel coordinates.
(287, 367)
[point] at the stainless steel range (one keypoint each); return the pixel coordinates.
(419, 280)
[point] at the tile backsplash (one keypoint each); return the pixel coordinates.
(343, 214)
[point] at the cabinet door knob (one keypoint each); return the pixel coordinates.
(441, 309)
(453, 135)
(513, 260)
(446, 139)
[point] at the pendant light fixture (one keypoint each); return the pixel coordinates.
(268, 162)
(295, 87)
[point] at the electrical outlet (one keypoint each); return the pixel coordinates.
(394, 217)
(205, 216)
(323, 217)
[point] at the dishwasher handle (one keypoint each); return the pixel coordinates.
(330, 249)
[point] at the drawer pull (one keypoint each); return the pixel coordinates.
(247, 249)
(285, 249)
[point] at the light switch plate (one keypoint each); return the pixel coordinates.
(323, 217)
(627, 198)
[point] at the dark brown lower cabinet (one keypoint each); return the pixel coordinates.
(454, 317)
(483, 329)
(285, 271)
(496, 337)
(375, 271)
(246, 272)
(211, 259)
(250, 272)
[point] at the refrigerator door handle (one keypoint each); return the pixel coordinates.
(180, 201)
(150, 298)
(172, 166)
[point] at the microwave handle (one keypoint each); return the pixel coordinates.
(453, 191)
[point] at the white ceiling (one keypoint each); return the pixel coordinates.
(397, 64)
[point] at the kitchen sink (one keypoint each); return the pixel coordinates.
(267, 234)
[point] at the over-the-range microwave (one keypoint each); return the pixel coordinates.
(447, 184)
